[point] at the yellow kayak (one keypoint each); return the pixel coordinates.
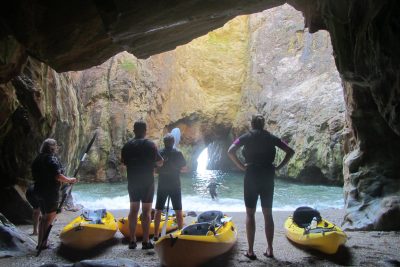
(197, 243)
(325, 237)
(123, 226)
(89, 229)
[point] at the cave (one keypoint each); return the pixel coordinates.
(75, 35)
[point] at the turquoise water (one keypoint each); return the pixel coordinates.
(195, 196)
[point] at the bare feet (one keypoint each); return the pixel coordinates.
(269, 253)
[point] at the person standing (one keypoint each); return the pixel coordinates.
(212, 188)
(141, 156)
(259, 154)
(169, 184)
(48, 174)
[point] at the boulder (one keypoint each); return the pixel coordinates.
(13, 242)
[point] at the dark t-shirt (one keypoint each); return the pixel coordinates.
(259, 147)
(170, 171)
(45, 168)
(139, 156)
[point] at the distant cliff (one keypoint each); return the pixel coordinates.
(211, 86)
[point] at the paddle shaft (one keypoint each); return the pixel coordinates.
(64, 197)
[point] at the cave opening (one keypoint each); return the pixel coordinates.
(202, 161)
(58, 108)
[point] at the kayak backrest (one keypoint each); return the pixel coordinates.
(196, 229)
(303, 216)
(94, 216)
(210, 216)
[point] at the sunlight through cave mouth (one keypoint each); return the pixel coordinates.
(202, 161)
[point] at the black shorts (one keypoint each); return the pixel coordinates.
(141, 193)
(259, 182)
(32, 198)
(174, 194)
(48, 204)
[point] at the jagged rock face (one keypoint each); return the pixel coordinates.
(37, 104)
(293, 82)
(196, 88)
(200, 87)
(365, 35)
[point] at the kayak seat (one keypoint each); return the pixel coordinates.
(303, 216)
(210, 216)
(94, 216)
(196, 229)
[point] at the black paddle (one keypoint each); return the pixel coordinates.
(64, 197)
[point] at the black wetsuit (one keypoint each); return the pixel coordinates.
(169, 183)
(212, 188)
(45, 169)
(139, 156)
(259, 153)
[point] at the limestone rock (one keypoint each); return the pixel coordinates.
(293, 82)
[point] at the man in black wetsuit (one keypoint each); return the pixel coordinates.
(259, 153)
(140, 156)
(169, 183)
(48, 174)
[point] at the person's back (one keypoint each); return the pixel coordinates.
(169, 173)
(259, 153)
(259, 148)
(44, 168)
(139, 156)
(169, 184)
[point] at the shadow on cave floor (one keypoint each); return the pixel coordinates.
(74, 255)
(342, 257)
(223, 260)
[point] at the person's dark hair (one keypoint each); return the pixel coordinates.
(48, 146)
(139, 128)
(257, 122)
(169, 140)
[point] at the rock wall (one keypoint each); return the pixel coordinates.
(292, 80)
(364, 37)
(209, 87)
(37, 104)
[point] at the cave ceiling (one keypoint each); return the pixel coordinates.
(76, 35)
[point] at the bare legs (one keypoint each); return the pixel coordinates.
(45, 221)
(250, 229)
(35, 218)
(269, 231)
(157, 220)
(146, 219)
(179, 218)
(132, 218)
